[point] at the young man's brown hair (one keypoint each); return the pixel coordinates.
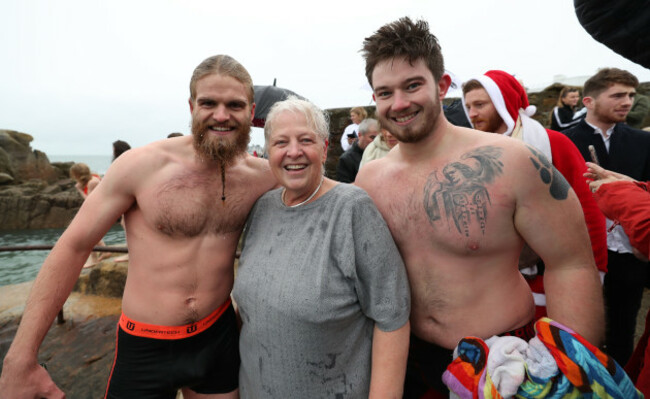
(607, 77)
(403, 39)
(470, 85)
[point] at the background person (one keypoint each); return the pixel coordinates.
(321, 289)
(608, 97)
(379, 147)
(627, 201)
(638, 112)
(348, 165)
(86, 183)
(564, 115)
(498, 97)
(357, 115)
(119, 148)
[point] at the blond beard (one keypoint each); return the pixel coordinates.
(214, 148)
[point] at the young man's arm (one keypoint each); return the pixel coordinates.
(389, 355)
(22, 377)
(550, 219)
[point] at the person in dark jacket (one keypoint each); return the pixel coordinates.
(564, 116)
(348, 166)
(639, 111)
(620, 25)
(608, 98)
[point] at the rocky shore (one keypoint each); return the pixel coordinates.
(34, 193)
(79, 352)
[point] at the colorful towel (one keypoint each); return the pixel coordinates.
(466, 376)
(557, 363)
(590, 371)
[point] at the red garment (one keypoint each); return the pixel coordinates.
(86, 186)
(628, 204)
(568, 161)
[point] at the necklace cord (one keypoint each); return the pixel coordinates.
(284, 191)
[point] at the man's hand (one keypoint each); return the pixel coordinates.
(596, 172)
(598, 176)
(594, 185)
(27, 381)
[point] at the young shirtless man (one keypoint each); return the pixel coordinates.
(460, 205)
(185, 202)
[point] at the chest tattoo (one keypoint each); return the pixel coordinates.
(459, 194)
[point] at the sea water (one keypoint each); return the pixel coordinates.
(21, 266)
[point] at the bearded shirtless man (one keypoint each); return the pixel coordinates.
(185, 202)
(460, 204)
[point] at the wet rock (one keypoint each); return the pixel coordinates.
(37, 205)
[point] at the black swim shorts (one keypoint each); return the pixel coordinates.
(155, 361)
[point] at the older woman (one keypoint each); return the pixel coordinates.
(321, 289)
(380, 146)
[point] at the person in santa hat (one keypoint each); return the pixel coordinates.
(496, 102)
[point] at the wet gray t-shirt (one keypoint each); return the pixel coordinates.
(312, 283)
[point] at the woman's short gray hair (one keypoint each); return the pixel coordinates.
(315, 117)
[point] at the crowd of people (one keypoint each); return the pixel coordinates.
(365, 289)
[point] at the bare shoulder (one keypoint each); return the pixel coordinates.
(367, 178)
(257, 168)
(143, 164)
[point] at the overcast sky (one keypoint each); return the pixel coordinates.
(80, 74)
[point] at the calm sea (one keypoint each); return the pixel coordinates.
(97, 163)
(20, 266)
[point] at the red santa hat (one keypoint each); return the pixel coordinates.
(508, 96)
(511, 103)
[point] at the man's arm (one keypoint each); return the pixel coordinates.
(549, 218)
(389, 355)
(21, 374)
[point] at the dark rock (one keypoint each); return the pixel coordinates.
(37, 205)
(78, 354)
(5, 178)
(19, 161)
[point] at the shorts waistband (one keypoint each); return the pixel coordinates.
(525, 332)
(145, 330)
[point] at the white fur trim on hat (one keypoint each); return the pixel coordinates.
(497, 99)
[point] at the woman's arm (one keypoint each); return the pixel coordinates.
(389, 355)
